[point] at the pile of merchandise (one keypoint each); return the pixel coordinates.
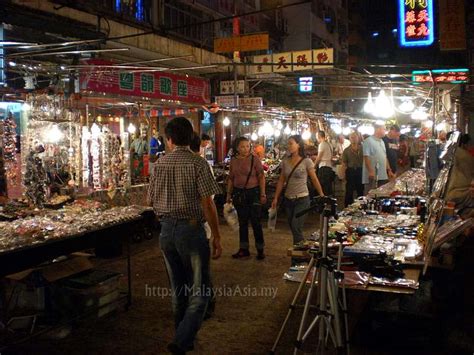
(79, 217)
(411, 182)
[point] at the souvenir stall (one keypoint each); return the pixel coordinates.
(383, 242)
(66, 163)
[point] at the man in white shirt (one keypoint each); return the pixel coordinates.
(376, 169)
(324, 163)
(341, 145)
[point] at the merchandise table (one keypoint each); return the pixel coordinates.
(411, 273)
(28, 256)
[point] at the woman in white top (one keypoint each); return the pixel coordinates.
(295, 171)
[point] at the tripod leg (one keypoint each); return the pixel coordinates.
(332, 282)
(298, 342)
(346, 322)
(293, 303)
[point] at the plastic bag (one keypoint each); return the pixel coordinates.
(272, 219)
(207, 228)
(230, 215)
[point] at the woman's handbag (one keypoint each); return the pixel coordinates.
(239, 197)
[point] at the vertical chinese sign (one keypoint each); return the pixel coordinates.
(416, 23)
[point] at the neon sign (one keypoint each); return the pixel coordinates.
(305, 84)
(416, 23)
(442, 76)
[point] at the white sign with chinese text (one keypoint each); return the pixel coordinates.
(323, 56)
(282, 62)
(301, 60)
(227, 101)
(261, 69)
(251, 101)
(227, 87)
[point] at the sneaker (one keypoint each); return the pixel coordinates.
(242, 253)
(260, 255)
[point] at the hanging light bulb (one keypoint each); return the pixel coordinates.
(306, 135)
(54, 135)
(131, 128)
(336, 128)
(261, 131)
(441, 126)
(428, 123)
(226, 121)
(407, 106)
(287, 130)
(346, 131)
(369, 106)
(419, 114)
(268, 130)
(254, 136)
(383, 106)
(366, 129)
(95, 130)
(293, 132)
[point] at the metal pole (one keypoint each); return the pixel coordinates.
(235, 86)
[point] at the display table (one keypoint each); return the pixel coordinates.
(411, 273)
(27, 256)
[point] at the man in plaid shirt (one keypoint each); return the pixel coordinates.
(180, 191)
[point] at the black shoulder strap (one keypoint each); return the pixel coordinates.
(250, 172)
(292, 171)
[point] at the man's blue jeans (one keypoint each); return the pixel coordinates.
(186, 252)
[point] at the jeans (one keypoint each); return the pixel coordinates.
(294, 206)
(353, 184)
(326, 179)
(250, 209)
(186, 252)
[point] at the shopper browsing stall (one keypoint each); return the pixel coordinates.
(352, 161)
(324, 163)
(295, 171)
(392, 146)
(376, 169)
(246, 189)
(180, 192)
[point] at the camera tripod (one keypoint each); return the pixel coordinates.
(327, 273)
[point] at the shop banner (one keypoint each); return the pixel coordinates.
(156, 85)
(165, 112)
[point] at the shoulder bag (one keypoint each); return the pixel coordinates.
(289, 177)
(240, 195)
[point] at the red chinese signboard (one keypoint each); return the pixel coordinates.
(416, 23)
(157, 85)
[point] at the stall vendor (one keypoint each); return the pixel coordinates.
(460, 183)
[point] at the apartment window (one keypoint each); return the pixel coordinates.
(131, 8)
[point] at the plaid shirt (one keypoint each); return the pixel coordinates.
(178, 182)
